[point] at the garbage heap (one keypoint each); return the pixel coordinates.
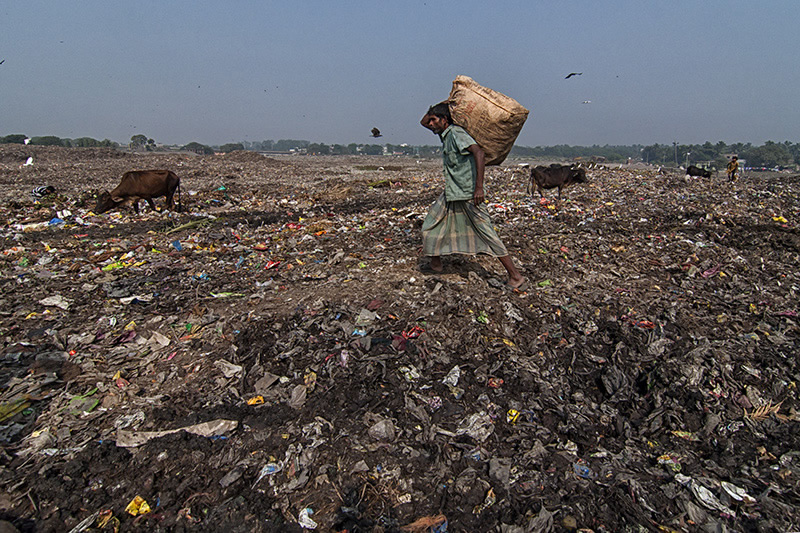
(272, 359)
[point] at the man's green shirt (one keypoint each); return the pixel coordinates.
(459, 164)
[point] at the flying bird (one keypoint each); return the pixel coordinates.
(587, 101)
(568, 76)
(3, 61)
(376, 132)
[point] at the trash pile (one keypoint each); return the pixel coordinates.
(272, 359)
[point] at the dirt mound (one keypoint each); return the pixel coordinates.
(18, 154)
(245, 156)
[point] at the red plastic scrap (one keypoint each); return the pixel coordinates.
(413, 333)
(495, 383)
(271, 264)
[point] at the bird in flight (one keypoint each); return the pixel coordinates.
(376, 132)
(568, 76)
(587, 101)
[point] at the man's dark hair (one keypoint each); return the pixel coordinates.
(441, 110)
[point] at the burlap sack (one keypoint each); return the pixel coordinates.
(493, 119)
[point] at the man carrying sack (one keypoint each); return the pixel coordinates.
(458, 223)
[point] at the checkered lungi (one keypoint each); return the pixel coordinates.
(459, 228)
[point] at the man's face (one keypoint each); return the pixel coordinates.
(436, 124)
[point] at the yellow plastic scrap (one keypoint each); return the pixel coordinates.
(256, 400)
(137, 506)
(780, 219)
(113, 266)
(310, 380)
(130, 326)
(512, 416)
(687, 435)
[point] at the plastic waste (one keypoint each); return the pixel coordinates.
(304, 519)
(583, 470)
(452, 377)
(137, 506)
(267, 470)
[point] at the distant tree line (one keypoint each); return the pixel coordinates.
(51, 140)
(769, 155)
(292, 145)
(565, 151)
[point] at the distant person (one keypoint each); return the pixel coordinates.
(458, 223)
(733, 168)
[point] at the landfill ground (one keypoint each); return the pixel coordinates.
(645, 380)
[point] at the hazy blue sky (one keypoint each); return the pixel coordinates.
(327, 71)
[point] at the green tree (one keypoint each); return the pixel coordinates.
(16, 138)
(86, 142)
(318, 149)
(372, 149)
(138, 142)
(231, 147)
(198, 148)
(769, 155)
(794, 150)
(47, 140)
(284, 145)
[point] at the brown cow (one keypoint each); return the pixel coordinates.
(141, 185)
(555, 176)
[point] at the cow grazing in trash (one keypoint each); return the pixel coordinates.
(555, 176)
(692, 170)
(141, 185)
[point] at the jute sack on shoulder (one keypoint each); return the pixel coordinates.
(493, 119)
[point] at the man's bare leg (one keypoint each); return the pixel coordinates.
(515, 279)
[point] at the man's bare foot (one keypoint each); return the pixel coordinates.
(517, 283)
